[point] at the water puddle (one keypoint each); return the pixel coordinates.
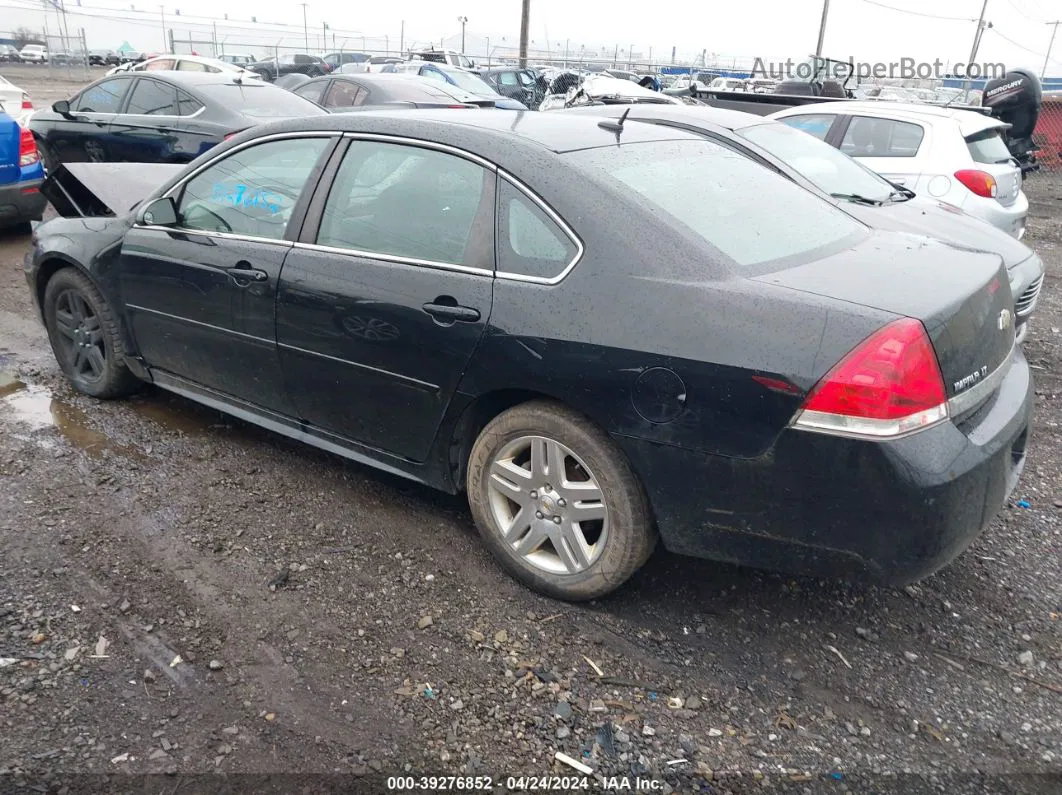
(179, 415)
(35, 409)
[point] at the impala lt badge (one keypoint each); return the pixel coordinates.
(971, 379)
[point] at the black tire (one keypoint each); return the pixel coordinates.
(631, 535)
(48, 161)
(114, 378)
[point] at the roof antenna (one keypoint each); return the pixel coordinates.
(615, 126)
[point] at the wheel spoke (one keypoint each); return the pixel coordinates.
(531, 541)
(94, 358)
(77, 307)
(65, 324)
(92, 323)
(510, 476)
(587, 511)
(79, 359)
(581, 491)
(555, 463)
(539, 460)
(571, 547)
(520, 523)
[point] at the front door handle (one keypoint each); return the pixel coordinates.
(445, 309)
(243, 274)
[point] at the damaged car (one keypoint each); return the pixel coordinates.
(738, 371)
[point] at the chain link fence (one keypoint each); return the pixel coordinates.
(68, 56)
(1048, 135)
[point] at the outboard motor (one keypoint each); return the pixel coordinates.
(1016, 98)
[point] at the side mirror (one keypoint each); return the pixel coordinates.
(160, 212)
(62, 107)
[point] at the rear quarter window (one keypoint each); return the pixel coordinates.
(749, 213)
(870, 137)
(818, 125)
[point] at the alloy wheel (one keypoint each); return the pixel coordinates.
(547, 505)
(81, 335)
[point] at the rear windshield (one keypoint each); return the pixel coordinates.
(260, 102)
(819, 163)
(400, 90)
(746, 211)
(988, 147)
(473, 84)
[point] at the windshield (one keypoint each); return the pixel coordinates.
(748, 212)
(469, 82)
(827, 168)
(259, 101)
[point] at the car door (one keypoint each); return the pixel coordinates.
(200, 295)
(146, 130)
(385, 297)
(83, 135)
(888, 146)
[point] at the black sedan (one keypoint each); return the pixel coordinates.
(602, 331)
(522, 85)
(291, 63)
(104, 58)
(345, 91)
(157, 117)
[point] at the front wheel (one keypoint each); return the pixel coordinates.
(557, 503)
(85, 336)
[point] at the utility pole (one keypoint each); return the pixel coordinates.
(976, 43)
(1055, 24)
(822, 26)
(525, 27)
(402, 39)
(324, 36)
(162, 14)
(463, 21)
(215, 27)
(305, 28)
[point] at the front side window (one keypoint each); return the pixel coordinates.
(105, 97)
(405, 201)
(253, 191)
(530, 243)
(813, 124)
(870, 137)
(152, 98)
(749, 213)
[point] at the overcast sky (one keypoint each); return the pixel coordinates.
(863, 29)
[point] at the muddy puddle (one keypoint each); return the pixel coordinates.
(35, 409)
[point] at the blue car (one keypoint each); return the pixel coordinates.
(21, 175)
(462, 78)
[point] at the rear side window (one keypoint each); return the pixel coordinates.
(988, 147)
(161, 65)
(530, 243)
(312, 91)
(749, 213)
(106, 97)
(507, 78)
(412, 203)
(818, 125)
(152, 98)
(188, 105)
(341, 94)
(870, 137)
(253, 191)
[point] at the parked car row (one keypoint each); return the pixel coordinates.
(611, 327)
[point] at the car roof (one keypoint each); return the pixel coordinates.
(684, 114)
(557, 132)
(970, 121)
(195, 78)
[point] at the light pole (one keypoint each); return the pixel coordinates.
(463, 21)
(162, 14)
(305, 28)
(976, 43)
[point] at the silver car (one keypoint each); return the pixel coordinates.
(955, 156)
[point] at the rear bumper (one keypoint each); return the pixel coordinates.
(1010, 219)
(21, 202)
(823, 505)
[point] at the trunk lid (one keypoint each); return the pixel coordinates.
(104, 189)
(961, 296)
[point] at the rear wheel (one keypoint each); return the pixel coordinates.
(557, 503)
(85, 336)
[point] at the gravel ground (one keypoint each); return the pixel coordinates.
(186, 596)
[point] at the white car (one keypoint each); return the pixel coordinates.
(186, 63)
(15, 102)
(955, 156)
(34, 53)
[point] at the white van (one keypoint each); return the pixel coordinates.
(34, 53)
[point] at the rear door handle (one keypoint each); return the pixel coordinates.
(446, 312)
(243, 274)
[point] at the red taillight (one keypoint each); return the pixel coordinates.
(27, 104)
(460, 106)
(27, 149)
(980, 182)
(888, 386)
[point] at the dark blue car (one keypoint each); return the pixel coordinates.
(21, 174)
